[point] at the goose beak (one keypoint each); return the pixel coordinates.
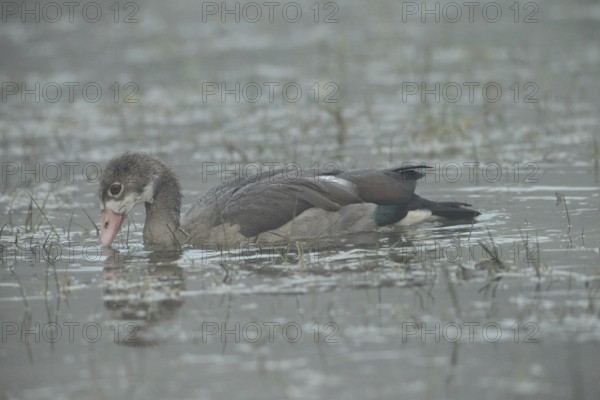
(110, 224)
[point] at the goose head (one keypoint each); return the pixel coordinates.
(134, 178)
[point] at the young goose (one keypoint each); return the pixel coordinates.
(268, 207)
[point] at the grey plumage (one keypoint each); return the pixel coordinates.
(271, 206)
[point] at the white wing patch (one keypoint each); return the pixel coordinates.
(415, 217)
(343, 183)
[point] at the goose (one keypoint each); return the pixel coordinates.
(270, 207)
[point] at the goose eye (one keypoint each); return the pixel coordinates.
(115, 189)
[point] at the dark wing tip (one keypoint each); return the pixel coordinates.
(411, 167)
(410, 172)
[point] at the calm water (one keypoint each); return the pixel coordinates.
(505, 308)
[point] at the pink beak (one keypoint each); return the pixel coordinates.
(110, 223)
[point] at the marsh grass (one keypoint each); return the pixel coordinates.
(452, 292)
(92, 221)
(494, 265)
(38, 236)
(41, 210)
(341, 126)
(595, 155)
(445, 128)
(52, 316)
(533, 254)
(27, 314)
(561, 199)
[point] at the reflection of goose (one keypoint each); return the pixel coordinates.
(271, 206)
(141, 298)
